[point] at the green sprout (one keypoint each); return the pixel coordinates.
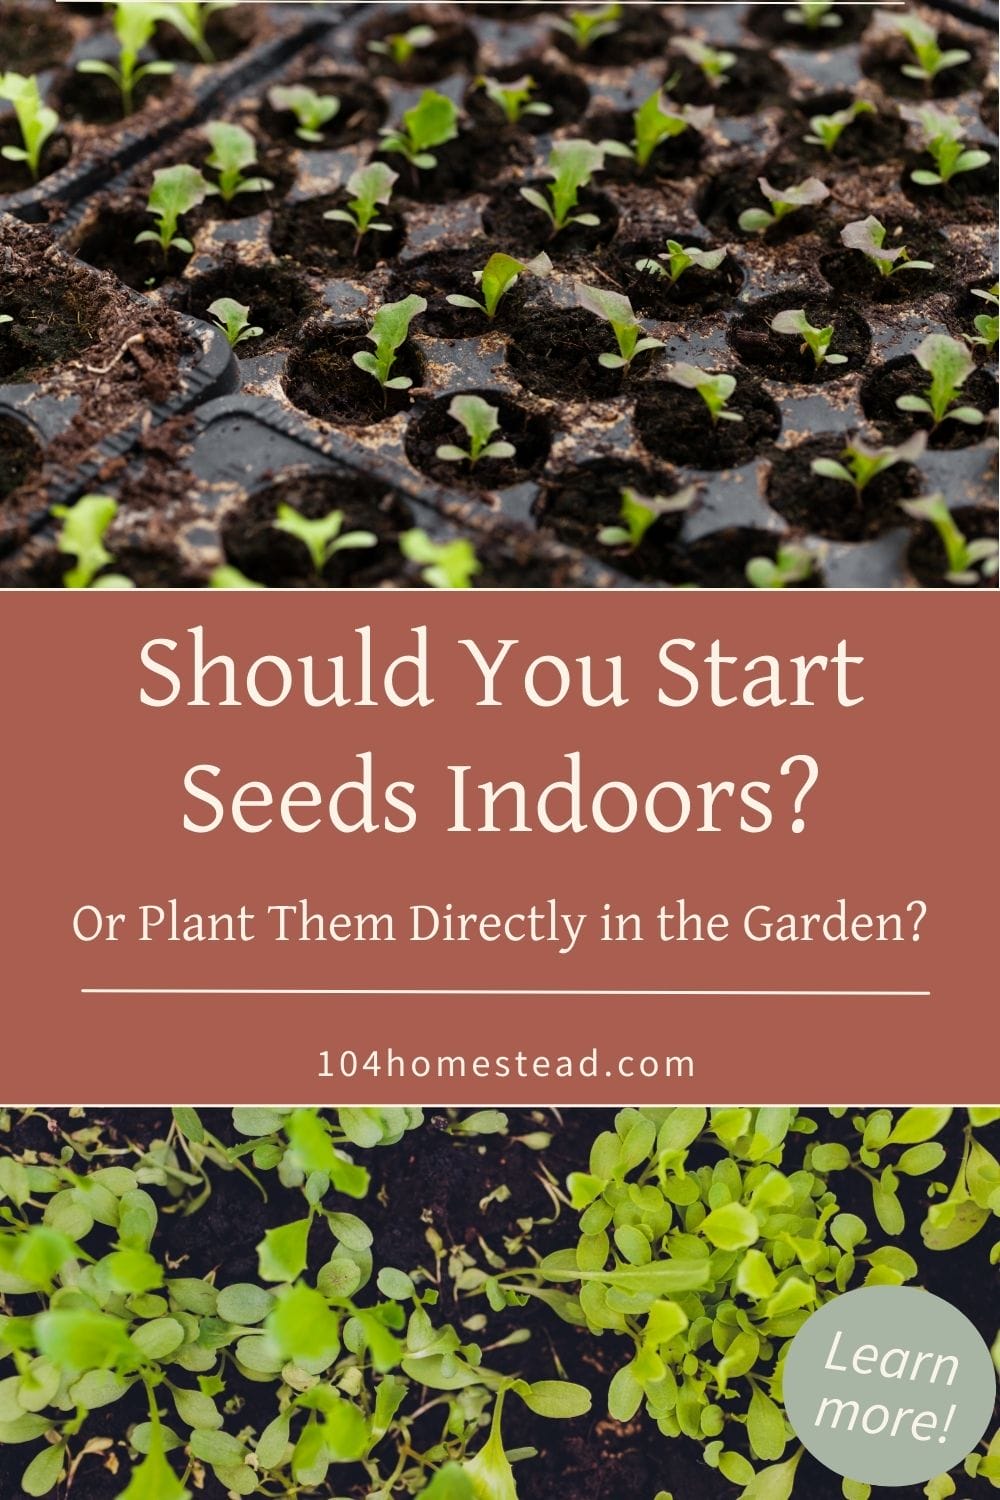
(35, 120)
(816, 341)
(134, 23)
(784, 201)
(82, 536)
(942, 138)
(714, 65)
(868, 236)
(496, 279)
(826, 130)
(191, 18)
(371, 188)
(638, 513)
(617, 310)
(585, 27)
(175, 191)
(680, 258)
(791, 565)
(571, 166)
(389, 332)
(514, 99)
(923, 43)
(401, 45)
(228, 577)
(480, 421)
(6, 318)
(964, 557)
(322, 538)
(949, 364)
(859, 464)
(234, 320)
(433, 121)
(444, 565)
(656, 120)
(714, 390)
(233, 151)
(987, 325)
(311, 110)
(814, 15)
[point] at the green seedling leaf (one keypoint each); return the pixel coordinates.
(283, 1252)
(401, 45)
(714, 390)
(814, 15)
(303, 1329)
(497, 278)
(311, 110)
(134, 24)
(585, 27)
(480, 421)
(869, 236)
(432, 122)
(389, 331)
(175, 191)
(930, 60)
(233, 151)
(571, 165)
(815, 341)
(233, 318)
(784, 201)
(36, 122)
(791, 565)
(714, 65)
(680, 258)
(323, 538)
(515, 99)
(826, 130)
(371, 189)
(616, 309)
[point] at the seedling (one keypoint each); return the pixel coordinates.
(444, 565)
(191, 18)
(6, 318)
(401, 45)
(923, 42)
(859, 464)
(714, 65)
(814, 15)
(371, 187)
(868, 236)
(82, 536)
(784, 201)
(826, 130)
(496, 279)
(311, 110)
(791, 565)
(514, 99)
(175, 191)
(571, 165)
(481, 421)
(35, 120)
(433, 121)
(638, 514)
(964, 557)
(233, 151)
(942, 139)
(617, 310)
(987, 325)
(949, 364)
(816, 341)
(134, 23)
(680, 258)
(322, 538)
(714, 390)
(227, 577)
(658, 119)
(234, 320)
(389, 332)
(585, 27)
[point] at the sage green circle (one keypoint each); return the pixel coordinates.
(854, 1366)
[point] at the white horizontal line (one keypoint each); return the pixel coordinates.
(909, 994)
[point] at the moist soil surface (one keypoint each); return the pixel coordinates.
(566, 95)
(52, 322)
(33, 39)
(675, 424)
(301, 232)
(15, 176)
(574, 506)
(557, 354)
(278, 299)
(454, 45)
(445, 273)
(782, 356)
(696, 292)
(96, 100)
(109, 244)
(227, 34)
(434, 427)
(362, 112)
(321, 377)
(829, 507)
(755, 78)
(20, 454)
(521, 229)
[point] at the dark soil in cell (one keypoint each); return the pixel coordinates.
(724, 198)
(926, 556)
(867, 141)
(674, 423)
(566, 95)
(967, 308)
(434, 427)
(362, 113)
(755, 79)
(454, 46)
(780, 356)
(769, 24)
(95, 100)
(53, 322)
(33, 39)
(468, 163)
(643, 32)
(830, 508)
(444, 273)
(277, 298)
(522, 229)
(696, 292)
(321, 377)
(227, 33)
(20, 455)
(110, 246)
(271, 557)
(574, 505)
(853, 274)
(904, 377)
(677, 157)
(15, 176)
(557, 354)
(720, 559)
(969, 195)
(885, 56)
(300, 231)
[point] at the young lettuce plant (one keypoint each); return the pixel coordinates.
(480, 421)
(813, 15)
(680, 258)
(656, 120)
(638, 513)
(571, 166)
(784, 201)
(6, 318)
(389, 331)
(923, 43)
(949, 364)
(859, 464)
(617, 311)
(234, 320)
(311, 110)
(401, 46)
(227, 577)
(826, 130)
(514, 99)
(433, 121)
(791, 565)
(175, 191)
(942, 138)
(714, 390)
(987, 325)
(371, 189)
(443, 565)
(36, 122)
(868, 236)
(714, 65)
(815, 341)
(324, 537)
(85, 524)
(964, 557)
(234, 150)
(496, 279)
(191, 18)
(585, 27)
(134, 24)
(966, 1208)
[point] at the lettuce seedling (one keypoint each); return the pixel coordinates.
(371, 187)
(816, 340)
(784, 201)
(617, 310)
(658, 119)
(496, 279)
(987, 325)
(433, 121)
(6, 318)
(191, 18)
(175, 191)
(680, 258)
(322, 538)
(515, 99)
(233, 151)
(814, 15)
(868, 236)
(35, 120)
(792, 565)
(949, 364)
(389, 332)
(571, 165)
(443, 565)
(714, 390)
(714, 65)
(942, 138)
(826, 130)
(860, 464)
(490, 1470)
(481, 421)
(134, 23)
(234, 319)
(401, 45)
(585, 27)
(923, 43)
(82, 536)
(311, 110)
(228, 577)
(964, 557)
(638, 514)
